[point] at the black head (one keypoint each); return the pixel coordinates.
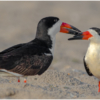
(48, 22)
(96, 29)
(48, 27)
(44, 25)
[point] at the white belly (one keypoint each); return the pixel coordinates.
(92, 59)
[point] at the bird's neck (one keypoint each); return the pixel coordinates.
(94, 43)
(53, 39)
(47, 43)
(93, 48)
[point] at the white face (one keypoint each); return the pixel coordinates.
(54, 29)
(96, 36)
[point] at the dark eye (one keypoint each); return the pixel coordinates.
(55, 20)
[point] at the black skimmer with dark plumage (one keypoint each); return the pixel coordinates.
(92, 57)
(34, 57)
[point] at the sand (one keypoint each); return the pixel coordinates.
(66, 78)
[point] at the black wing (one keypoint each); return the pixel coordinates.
(86, 68)
(26, 60)
(12, 48)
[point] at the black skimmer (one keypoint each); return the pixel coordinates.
(34, 57)
(92, 57)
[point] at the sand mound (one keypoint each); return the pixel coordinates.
(52, 84)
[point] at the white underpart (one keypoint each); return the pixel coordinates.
(92, 57)
(52, 32)
(8, 73)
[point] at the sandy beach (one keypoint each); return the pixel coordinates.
(66, 78)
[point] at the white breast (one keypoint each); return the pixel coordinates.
(92, 59)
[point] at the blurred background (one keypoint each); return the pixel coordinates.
(18, 24)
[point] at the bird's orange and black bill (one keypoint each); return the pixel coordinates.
(80, 35)
(64, 26)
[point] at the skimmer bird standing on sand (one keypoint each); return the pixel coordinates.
(92, 57)
(34, 57)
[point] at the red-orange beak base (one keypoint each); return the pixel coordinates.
(64, 26)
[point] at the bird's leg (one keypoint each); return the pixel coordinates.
(25, 80)
(18, 79)
(99, 87)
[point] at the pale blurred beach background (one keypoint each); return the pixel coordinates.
(66, 77)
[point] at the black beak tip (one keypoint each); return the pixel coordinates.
(76, 37)
(76, 29)
(70, 39)
(73, 32)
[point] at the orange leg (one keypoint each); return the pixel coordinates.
(25, 80)
(99, 87)
(18, 79)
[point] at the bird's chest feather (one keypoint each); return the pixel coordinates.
(92, 59)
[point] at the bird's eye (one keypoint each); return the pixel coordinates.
(55, 20)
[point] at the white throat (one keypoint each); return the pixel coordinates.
(53, 38)
(52, 33)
